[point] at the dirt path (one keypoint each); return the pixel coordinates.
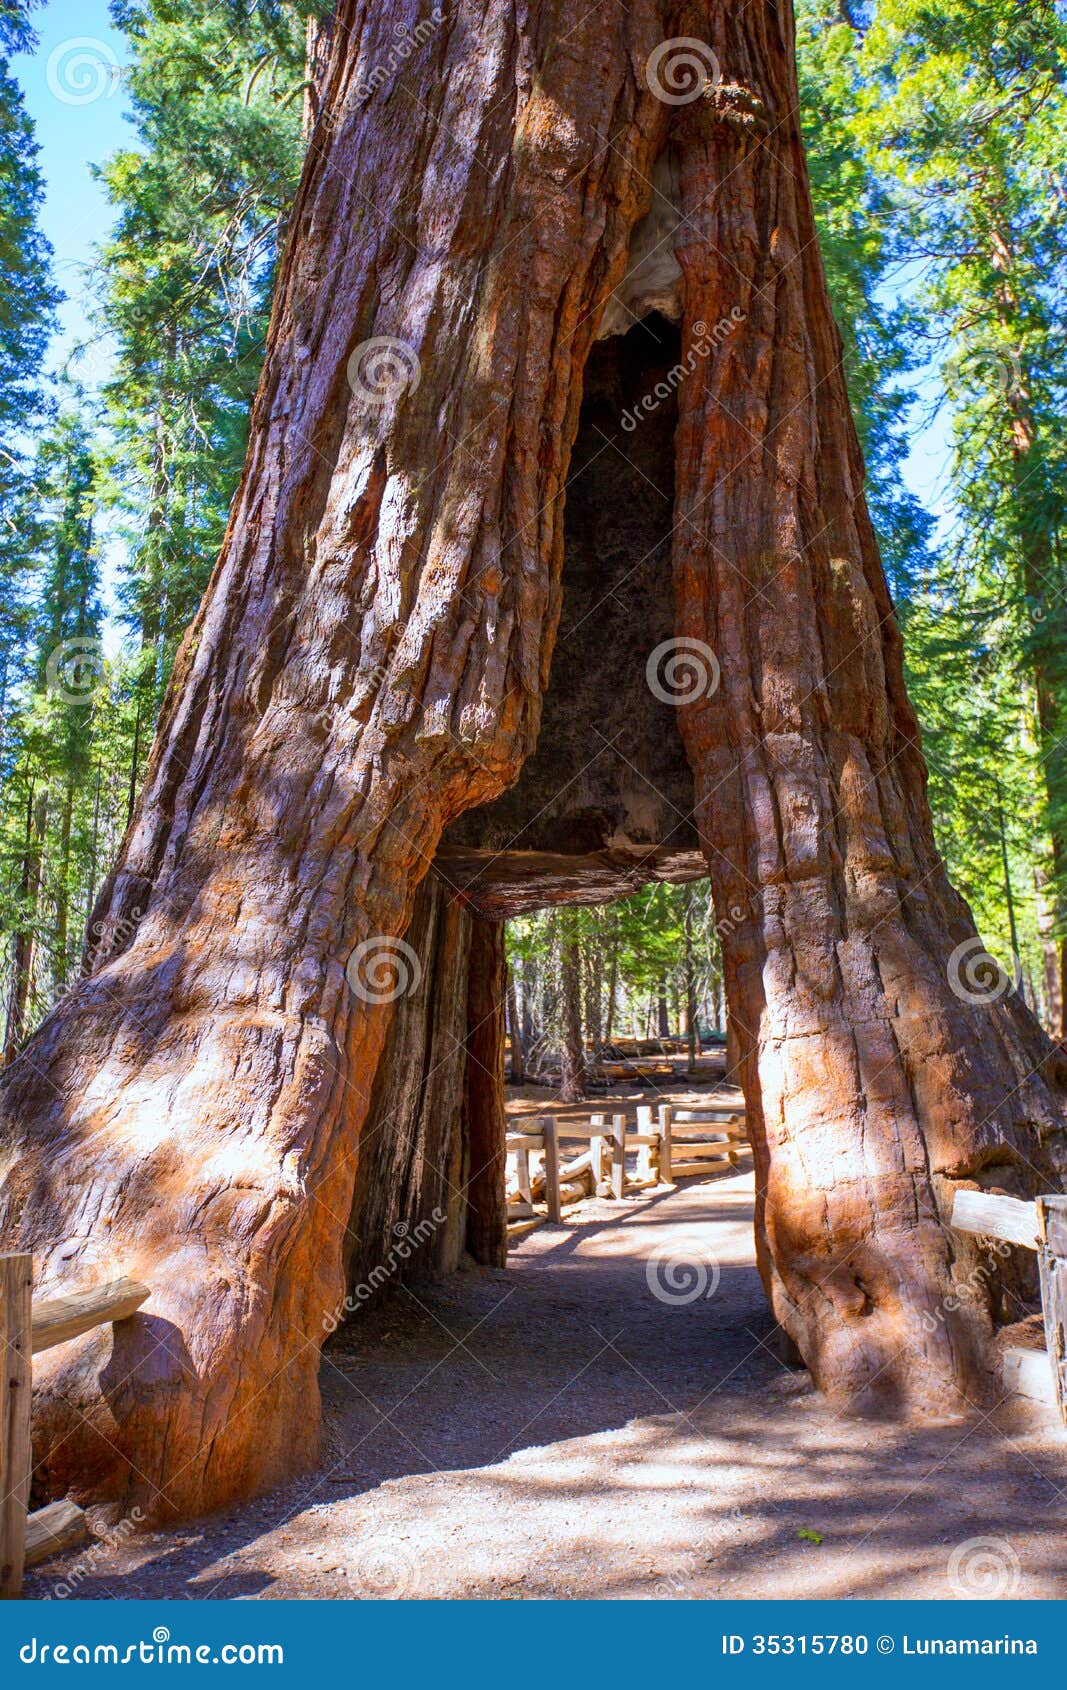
(566, 1430)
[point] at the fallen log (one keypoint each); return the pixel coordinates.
(61, 1525)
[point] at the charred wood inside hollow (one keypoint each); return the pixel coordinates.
(605, 802)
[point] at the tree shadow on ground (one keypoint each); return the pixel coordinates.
(610, 1418)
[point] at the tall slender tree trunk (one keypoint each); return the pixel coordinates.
(94, 858)
(692, 1025)
(594, 995)
(572, 1044)
(530, 1030)
(24, 941)
(613, 986)
(135, 763)
(60, 965)
(369, 661)
(518, 1054)
(1041, 570)
(1050, 953)
(1009, 896)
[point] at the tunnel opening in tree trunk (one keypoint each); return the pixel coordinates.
(603, 805)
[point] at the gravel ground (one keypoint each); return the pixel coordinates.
(566, 1430)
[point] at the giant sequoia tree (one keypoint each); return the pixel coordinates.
(490, 186)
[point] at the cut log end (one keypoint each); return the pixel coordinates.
(62, 1525)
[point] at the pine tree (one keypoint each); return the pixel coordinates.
(187, 274)
(27, 303)
(967, 116)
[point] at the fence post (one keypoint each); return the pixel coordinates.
(596, 1153)
(550, 1128)
(1052, 1264)
(647, 1157)
(16, 1320)
(665, 1171)
(522, 1176)
(618, 1156)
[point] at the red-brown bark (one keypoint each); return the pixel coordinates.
(872, 1086)
(369, 661)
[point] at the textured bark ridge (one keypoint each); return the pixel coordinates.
(369, 662)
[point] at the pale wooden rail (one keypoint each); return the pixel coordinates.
(27, 1328)
(1036, 1224)
(57, 1319)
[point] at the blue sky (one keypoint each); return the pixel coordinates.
(77, 55)
(74, 132)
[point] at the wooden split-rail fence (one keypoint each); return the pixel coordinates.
(1038, 1224)
(28, 1326)
(668, 1142)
